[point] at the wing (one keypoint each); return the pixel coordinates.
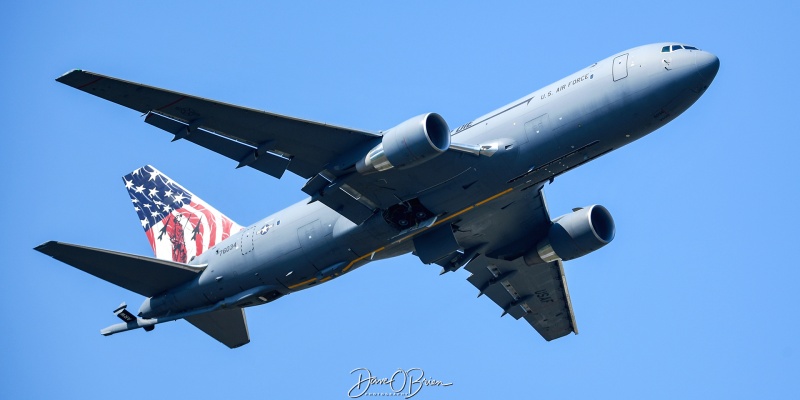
(537, 293)
(494, 242)
(274, 143)
(233, 131)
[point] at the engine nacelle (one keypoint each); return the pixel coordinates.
(574, 235)
(411, 143)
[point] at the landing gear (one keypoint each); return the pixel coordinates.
(407, 214)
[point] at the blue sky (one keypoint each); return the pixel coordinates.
(696, 297)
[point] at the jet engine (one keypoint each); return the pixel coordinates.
(411, 143)
(574, 235)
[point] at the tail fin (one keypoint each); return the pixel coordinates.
(178, 224)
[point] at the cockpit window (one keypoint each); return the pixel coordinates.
(674, 47)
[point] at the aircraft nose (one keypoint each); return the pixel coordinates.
(707, 65)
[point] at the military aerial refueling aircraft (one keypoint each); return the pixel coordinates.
(470, 197)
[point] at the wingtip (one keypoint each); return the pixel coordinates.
(42, 248)
(65, 74)
(78, 78)
(236, 346)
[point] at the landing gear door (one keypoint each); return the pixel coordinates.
(435, 244)
(620, 68)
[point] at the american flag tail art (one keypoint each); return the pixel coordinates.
(178, 224)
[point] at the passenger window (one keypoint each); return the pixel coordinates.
(665, 49)
(676, 47)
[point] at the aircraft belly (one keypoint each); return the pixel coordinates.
(487, 177)
(290, 269)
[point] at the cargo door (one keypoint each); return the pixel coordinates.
(246, 240)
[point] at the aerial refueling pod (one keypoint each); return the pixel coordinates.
(574, 235)
(411, 143)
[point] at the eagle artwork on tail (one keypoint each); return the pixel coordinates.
(174, 230)
(178, 224)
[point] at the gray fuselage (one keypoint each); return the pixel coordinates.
(561, 126)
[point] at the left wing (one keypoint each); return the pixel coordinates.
(265, 141)
(271, 143)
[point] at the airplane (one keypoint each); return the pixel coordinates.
(469, 197)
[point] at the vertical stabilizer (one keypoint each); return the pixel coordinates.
(178, 224)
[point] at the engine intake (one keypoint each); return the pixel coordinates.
(411, 143)
(574, 235)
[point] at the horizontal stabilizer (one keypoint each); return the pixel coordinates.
(228, 326)
(144, 275)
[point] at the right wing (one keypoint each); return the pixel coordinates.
(494, 243)
(537, 293)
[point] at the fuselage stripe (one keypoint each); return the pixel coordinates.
(372, 253)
